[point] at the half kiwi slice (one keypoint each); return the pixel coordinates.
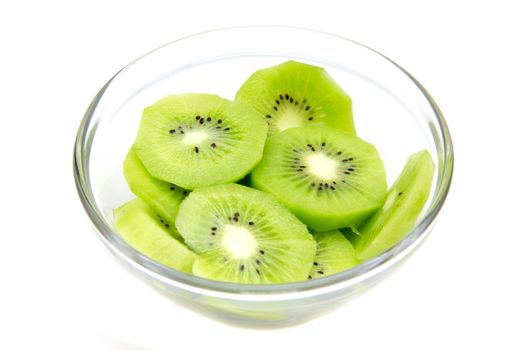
(164, 198)
(327, 177)
(404, 202)
(246, 236)
(195, 140)
(294, 94)
(145, 231)
(334, 254)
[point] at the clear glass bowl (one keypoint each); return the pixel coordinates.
(391, 110)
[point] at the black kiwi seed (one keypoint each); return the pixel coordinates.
(268, 116)
(214, 228)
(309, 277)
(172, 188)
(198, 117)
(226, 129)
(315, 263)
(281, 97)
(208, 119)
(287, 97)
(320, 272)
(196, 149)
(173, 131)
(242, 267)
(261, 251)
(307, 108)
(275, 108)
(250, 223)
(400, 193)
(184, 193)
(219, 121)
(277, 101)
(311, 118)
(258, 262)
(291, 99)
(201, 121)
(213, 145)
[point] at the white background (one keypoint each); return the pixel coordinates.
(60, 289)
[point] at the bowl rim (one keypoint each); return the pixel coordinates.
(205, 286)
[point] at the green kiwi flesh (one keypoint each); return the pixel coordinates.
(196, 140)
(403, 205)
(244, 235)
(327, 177)
(334, 254)
(164, 198)
(143, 229)
(294, 94)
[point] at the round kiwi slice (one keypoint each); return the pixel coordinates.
(334, 254)
(145, 231)
(243, 235)
(196, 140)
(327, 177)
(294, 94)
(404, 202)
(164, 198)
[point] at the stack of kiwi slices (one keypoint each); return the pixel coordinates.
(274, 187)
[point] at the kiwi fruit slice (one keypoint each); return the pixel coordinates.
(404, 202)
(196, 140)
(244, 235)
(327, 177)
(163, 197)
(334, 254)
(144, 230)
(294, 94)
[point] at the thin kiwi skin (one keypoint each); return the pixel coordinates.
(404, 202)
(320, 100)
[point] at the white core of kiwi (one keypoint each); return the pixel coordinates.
(322, 166)
(194, 137)
(238, 241)
(289, 119)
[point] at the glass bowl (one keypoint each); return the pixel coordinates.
(391, 110)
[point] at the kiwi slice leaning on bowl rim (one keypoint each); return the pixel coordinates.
(404, 202)
(144, 230)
